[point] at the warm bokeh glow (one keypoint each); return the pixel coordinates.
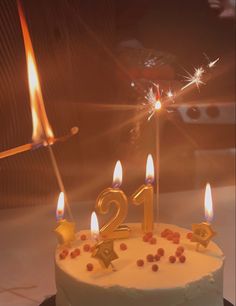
(158, 105)
(208, 204)
(42, 130)
(149, 169)
(94, 226)
(117, 175)
(60, 207)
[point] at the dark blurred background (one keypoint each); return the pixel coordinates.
(88, 54)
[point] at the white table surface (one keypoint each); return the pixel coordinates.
(28, 242)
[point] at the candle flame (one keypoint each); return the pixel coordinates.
(60, 207)
(149, 170)
(117, 175)
(94, 225)
(42, 130)
(208, 204)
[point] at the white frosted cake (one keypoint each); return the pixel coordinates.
(142, 274)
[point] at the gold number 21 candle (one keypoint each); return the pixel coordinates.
(144, 195)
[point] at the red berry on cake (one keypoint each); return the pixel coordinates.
(140, 262)
(150, 258)
(83, 237)
(178, 253)
(163, 234)
(73, 254)
(62, 256)
(153, 240)
(182, 258)
(77, 251)
(169, 236)
(161, 251)
(167, 230)
(180, 249)
(176, 234)
(189, 235)
(123, 246)
(149, 234)
(157, 257)
(175, 240)
(90, 267)
(65, 251)
(172, 259)
(155, 268)
(86, 247)
(145, 238)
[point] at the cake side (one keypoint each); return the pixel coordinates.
(198, 281)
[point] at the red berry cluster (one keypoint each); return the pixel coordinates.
(178, 254)
(152, 258)
(148, 237)
(171, 236)
(73, 254)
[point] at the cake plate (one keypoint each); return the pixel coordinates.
(51, 302)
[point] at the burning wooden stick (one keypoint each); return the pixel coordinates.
(36, 145)
(42, 131)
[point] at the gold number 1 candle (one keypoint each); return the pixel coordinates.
(144, 195)
(114, 229)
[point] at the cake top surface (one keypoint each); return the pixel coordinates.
(128, 274)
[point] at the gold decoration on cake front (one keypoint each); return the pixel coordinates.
(104, 252)
(202, 233)
(65, 232)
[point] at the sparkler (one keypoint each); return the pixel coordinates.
(42, 131)
(197, 77)
(156, 101)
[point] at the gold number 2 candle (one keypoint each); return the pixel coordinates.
(144, 195)
(114, 229)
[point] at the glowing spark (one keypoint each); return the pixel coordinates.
(212, 63)
(154, 102)
(196, 78)
(169, 94)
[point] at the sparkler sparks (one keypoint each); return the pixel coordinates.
(212, 63)
(196, 78)
(156, 102)
(153, 98)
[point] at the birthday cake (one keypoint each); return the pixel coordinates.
(160, 268)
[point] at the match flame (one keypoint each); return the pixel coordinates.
(117, 175)
(94, 226)
(149, 170)
(208, 204)
(42, 130)
(60, 207)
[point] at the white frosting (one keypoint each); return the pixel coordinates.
(197, 282)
